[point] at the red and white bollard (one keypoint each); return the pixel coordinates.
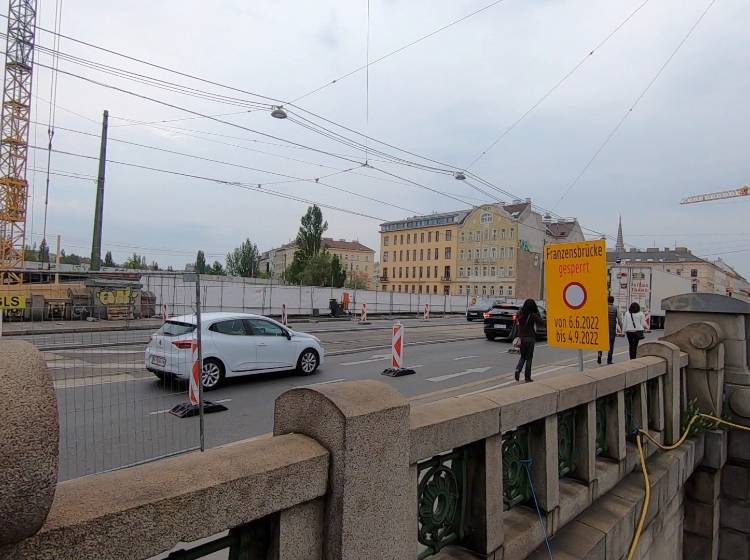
(284, 318)
(648, 321)
(363, 316)
(164, 312)
(397, 346)
(426, 312)
(195, 376)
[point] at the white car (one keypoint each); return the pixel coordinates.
(234, 344)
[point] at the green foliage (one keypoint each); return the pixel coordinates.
(310, 235)
(338, 272)
(30, 253)
(109, 261)
(136, 262)
(243, 260)
(216, 269)
(43, 254)
(69, 259)
(700, 425)
(200, 263)
(358, 281)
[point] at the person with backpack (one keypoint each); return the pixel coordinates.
(635, 327)
(613, 316)
(528, 319)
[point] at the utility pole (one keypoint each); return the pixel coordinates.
(96, 245)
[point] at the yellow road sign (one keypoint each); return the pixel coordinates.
(12, 302)
(576, 279)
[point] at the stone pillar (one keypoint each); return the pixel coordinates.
(616, 447)
(672, 405)
(484, 515)
(584, 451)
(29, 456)
(544, 469)
(365, 427)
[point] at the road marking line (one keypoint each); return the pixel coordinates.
(416, 367)
(222, 400)
(464, 358)
(320, 383)
(372, 359)
(440, 378)
(159, 411)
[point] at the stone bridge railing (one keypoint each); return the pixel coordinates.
(353, 470)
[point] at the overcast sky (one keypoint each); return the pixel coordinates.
(447, 97)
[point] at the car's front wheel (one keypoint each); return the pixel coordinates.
(489, 336)
(213, 373)
(308, 362)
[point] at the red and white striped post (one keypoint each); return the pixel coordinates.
(164, 312)
(397, 353)
(426, 312)
(363, 316)
(648, 321)
(195, 376)
(284, 319)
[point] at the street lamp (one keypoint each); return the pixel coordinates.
(459, 176)
(278, 112)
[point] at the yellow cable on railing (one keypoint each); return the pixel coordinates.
(646, 502)
(639, 530)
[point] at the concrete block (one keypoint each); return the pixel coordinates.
(574, 499)
(715, 454)
(573, 390)
(615, 518)
(301, 531)
(733, 545)
(739, 445)
(523, 533)
(607, 476)
(695, 547)
(484, 514)
(700, 450)
(702, 519)
(704, 486)
(448, 423)
(656, 420)
(365, 427)
(30, 434)
(544, 456)
(523, 404)
(575, 541)
(735, 515)
(672, 465)
(637, 374)
(735, 482)
(655, 366)
(609, 379)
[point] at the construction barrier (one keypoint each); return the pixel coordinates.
(195, 377)
(284, 318)
(397, 350)
(648, 321)
(426, 312)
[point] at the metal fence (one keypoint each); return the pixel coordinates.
(94, 328)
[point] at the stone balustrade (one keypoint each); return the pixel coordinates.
(353, 470)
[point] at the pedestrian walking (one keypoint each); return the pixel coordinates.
(613, 317)
(528, 319)
(635, 325)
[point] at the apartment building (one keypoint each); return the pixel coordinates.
(357, 259)
(489, 251)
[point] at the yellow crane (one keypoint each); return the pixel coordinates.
(732, 193)
(14, 137)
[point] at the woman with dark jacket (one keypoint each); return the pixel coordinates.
(528, 319)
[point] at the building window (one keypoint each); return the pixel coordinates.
(413, 289)
(511, 232)
(429, 237)
(484, 253)
(500, 290)
(447, 252)
(492, 290)
(407, 255)
(510, 252)
(501, 271)
(400, 255)
(434, 289)
(447, 273)
(484, 290)
(463, 237)
(428, 272)
(476, 254)
(486, 235)
(460, 290)
(502, 233)
(402, 239)
(385, 257)
(408, 238)
(694, 273)
(448, 235)
(502, 252)
(461, 255)
(420, 288)
(413, 271)
(494, 253)
(694, 287)
(510, 290)
(386, 240)
(476, 271)
(407, 271)
(461, 272)
(437, 236)
(510, 271)
(420, 272)
(484, 271)
(494, 235)
(437, 253)
(486, 218)
(429, 254)
(436, 274)
(414, 254)
(421, 254)
(492, 271)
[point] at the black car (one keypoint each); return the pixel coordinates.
(477, 310)
(502, 322)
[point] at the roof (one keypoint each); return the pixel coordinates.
(680, 254)
(427, 220)
(213, 316)
(561, 229)
(345, 245)
(516, 207)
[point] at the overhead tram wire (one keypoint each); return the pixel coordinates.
(396, 51)
(638, 99)
(238, 184)
(559, 83)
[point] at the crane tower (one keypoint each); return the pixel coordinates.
(14, 137)
(733, 193)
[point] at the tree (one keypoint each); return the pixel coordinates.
(43, 255)
(310, 235)
(154, 266)
(109, 261)
(30, 253)
(243, 260)
(136, 262)
(200, 263)
(216, 269)
(338, 272)
(317, 272)
(357, 281)
(69, 259)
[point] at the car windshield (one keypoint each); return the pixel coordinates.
(506, 306)
(175, 328)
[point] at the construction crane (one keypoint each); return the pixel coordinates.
(742, 191)
(14, 137)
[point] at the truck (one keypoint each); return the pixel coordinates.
(647, 287)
